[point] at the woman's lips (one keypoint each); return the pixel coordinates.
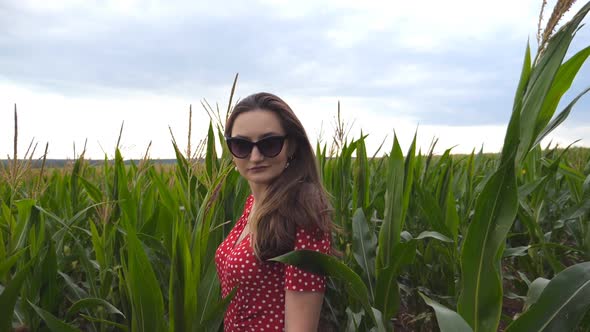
(257, 168)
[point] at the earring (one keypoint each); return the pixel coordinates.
(236, 168)
(289, 159)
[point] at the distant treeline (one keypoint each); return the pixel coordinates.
(577, 157)
(59, 163)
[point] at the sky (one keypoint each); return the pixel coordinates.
(78, 69)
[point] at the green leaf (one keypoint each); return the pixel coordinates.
(387, 290)
(144, 290)
(92, 190)
(530, 187)
(319, 263)
(451, 215)
(74, 190)
(431, 210)
(353, 320)
(23, 224)
(121, 327)
(434, 235)
(92, 302)
(563, 81)
(9, 296)
(364, 247)
(54, 324)
(211, 161)
(480, 302)
(9, 262)
(98, 245)
(541, 79)
(524, 77)
(448, 320)
(389, 235)
(535, 290)
(78, 292)
(214, 314)
(517, 251)
(184, 281)
(323, 264)
(397, 196)
(562, 304)
(209, 291)
(559, 118)
(360, 194)
(49, 292)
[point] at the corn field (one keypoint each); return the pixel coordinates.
(478, 242)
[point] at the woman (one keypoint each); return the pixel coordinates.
(287, 210)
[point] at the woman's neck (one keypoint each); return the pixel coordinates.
(258, 191)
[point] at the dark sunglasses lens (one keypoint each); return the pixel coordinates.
(271, 146)
(239, 147)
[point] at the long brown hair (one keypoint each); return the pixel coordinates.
(294, 198)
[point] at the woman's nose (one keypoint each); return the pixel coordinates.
(255, 155)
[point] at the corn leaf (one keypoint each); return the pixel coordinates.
(561, 305)
(448, 320)
(49, 290)
(209, 291)
(144, 290)
(214, 314)
(323, 264)
(211, 162)
(387, 295)
(9, 262)
(563, 81)
(92, 302)
(535, 290)
(559, 118)
(542, 79)
(9, 296)
(389, 235)
(360, 194)
(54, 324)
(364, 247)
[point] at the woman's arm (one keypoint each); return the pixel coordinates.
(302, 310)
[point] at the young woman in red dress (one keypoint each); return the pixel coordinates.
(287, 210)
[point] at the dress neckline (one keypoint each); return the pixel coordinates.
(244, 223)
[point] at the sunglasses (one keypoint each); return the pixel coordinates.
(269, 147)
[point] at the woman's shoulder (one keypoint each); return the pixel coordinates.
(312, 238)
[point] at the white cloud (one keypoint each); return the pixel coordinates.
(64, 121)
(93, 64)
(567, 134)
(431, 26)
(319, 115)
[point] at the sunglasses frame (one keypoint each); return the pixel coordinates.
(228, 141)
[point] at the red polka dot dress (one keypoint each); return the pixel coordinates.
(259, 304)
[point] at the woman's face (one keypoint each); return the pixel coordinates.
(253, 126)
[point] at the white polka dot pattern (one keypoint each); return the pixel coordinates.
(300, 280)
(259, 304)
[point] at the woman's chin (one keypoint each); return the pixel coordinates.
(261, 179)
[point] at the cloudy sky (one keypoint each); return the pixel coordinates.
(78, 68)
